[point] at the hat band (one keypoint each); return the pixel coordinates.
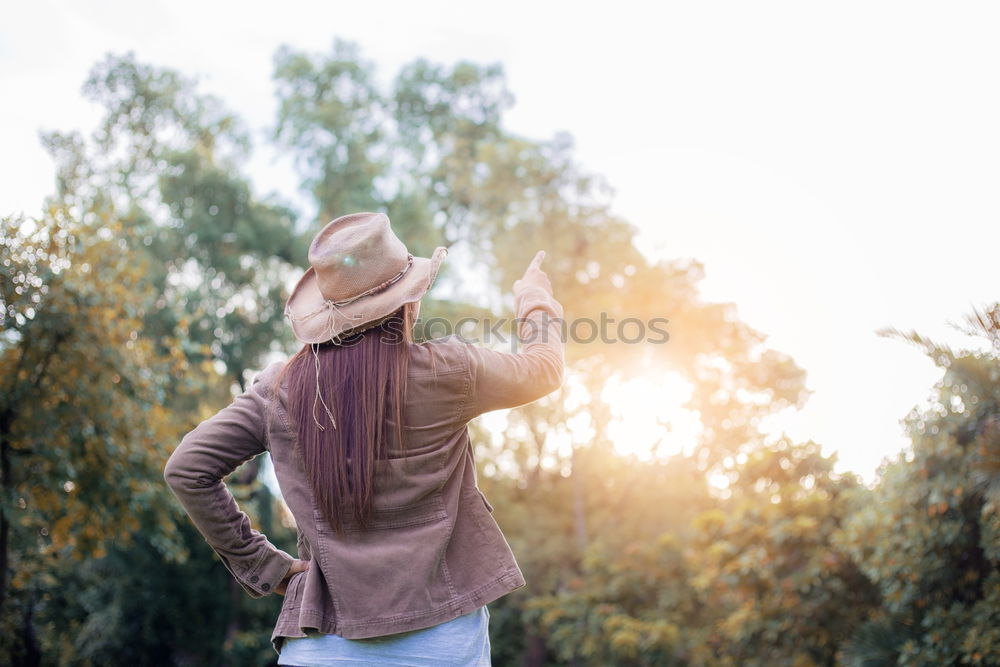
(334, 306)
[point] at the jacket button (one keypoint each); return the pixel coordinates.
(266, 587)
(253, 579)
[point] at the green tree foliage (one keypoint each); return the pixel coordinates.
(220, 254)
(626, 600)
(83, 430)
(210, 259)
(775, 587)
(169, 158)
(930, 537)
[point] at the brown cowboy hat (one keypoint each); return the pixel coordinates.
(360, 274)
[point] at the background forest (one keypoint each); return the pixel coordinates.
(151, 289)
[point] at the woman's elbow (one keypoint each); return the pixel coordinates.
(173, 473)
(180, 474)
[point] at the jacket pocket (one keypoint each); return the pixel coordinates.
(293, 591)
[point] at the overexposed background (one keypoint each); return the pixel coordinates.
(835, 167)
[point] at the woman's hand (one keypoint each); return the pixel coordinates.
(534, 276)
(297, 566)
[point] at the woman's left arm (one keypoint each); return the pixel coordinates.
(214, 449)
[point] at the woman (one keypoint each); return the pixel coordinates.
(398, 551)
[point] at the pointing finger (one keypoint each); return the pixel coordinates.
(537, 260)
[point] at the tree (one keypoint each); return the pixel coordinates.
(930, 538)
(82, 422)
(774, 586)
(168, 159)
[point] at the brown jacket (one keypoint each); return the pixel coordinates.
(433, 551)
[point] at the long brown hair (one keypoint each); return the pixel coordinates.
(362, 380)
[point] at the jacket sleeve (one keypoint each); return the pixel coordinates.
(214, 449)
(506, 380)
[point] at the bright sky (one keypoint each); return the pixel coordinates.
(834, 166)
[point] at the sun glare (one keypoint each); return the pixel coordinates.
(648, 421)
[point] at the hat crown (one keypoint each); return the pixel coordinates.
(355, 253)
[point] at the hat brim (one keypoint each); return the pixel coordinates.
(313, 323)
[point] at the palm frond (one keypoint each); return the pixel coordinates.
(940, 353)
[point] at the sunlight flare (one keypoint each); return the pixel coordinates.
(648, 420)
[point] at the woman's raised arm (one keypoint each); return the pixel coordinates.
(506, 380)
